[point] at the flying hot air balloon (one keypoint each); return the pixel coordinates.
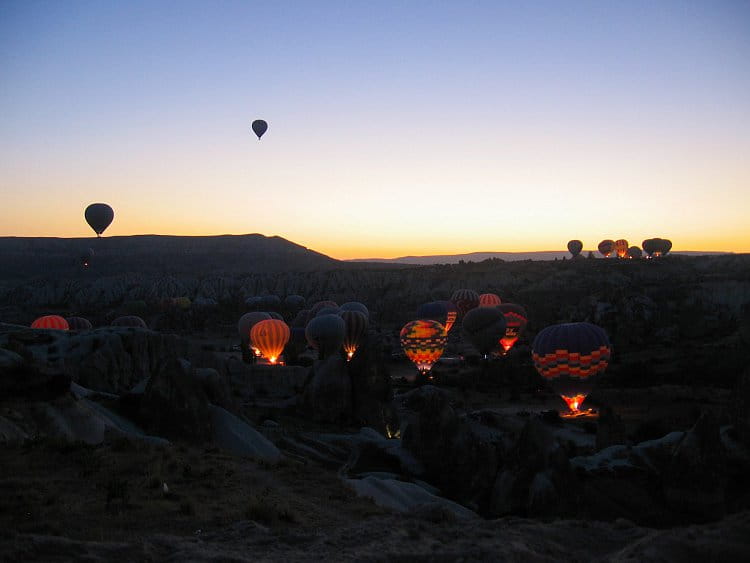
(621, 247)
(515, 323)
(575, 247)
(270, 336)
(356, 328)
(606, 247)
(259, 127)
(99, 216)
(484, 327)
(53, 322)
(326, 333)
(489, 300)
(423, 342)
(569, 356)
(465, 300)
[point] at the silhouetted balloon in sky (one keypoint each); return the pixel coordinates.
(269, 337)
(666, 246)
(465, 300)
(621, 247)
(569, 356)
(575, 247)
(515, 321)
(326, 334)
(423, 342)
(78, 323)
(655, 247)
(259, 127)
(489, 300)
(606, 247)
(55, 322)
(484, 326)
(356, 328)
(133, 321)
(99, 216)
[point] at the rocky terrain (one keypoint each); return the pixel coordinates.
(162, 444)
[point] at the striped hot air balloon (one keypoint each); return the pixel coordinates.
(423, 342)
(55, 322)
(621, 247)
(465, 300)
(515, 319)
(356, 328)
(569, 356)
(270, 337)
(489, 300)
(451, 316)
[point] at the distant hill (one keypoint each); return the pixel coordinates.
(507, 256)
(25, 257)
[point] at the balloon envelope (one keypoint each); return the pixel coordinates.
(433, 311)
(319, 305)
(78, 323)
(423, 342)
(621, 247)
(484, 326)
(99, 216)
(452, 314)
(356, 328)
(515, 323)
(247, 321)
(569, 356)
(465, 300)
(55, 322)
(634, 252)
(259, 127)
(575, 247)
(606, 247)
(269, 337)
(356, 306)
(133, 321)
(489, 300)
(326, 333)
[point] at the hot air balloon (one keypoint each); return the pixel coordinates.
(356, 306)
(489, 300)
(666, 246)
(326, 334)
(423, 342)
(606, 247)
(621, 247)
(452, 314)
(356, 328)
(301, 319)
(269, 337)
(575, 247)
(270, 303)
(245, 325)
(328, 311)
(634, 252)
(319, 305)
(99, 216)
(54, 322)
(515, 323)
(651, 246)
(465, 300)
(484, 327)
(569, 356)
(294, 303)
(133, 321)
(259, 127)
(78, 323)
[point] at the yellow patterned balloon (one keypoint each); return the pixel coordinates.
(423, 342)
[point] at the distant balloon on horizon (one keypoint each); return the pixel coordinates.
(575, 247)
(259, 127)
(99, 216)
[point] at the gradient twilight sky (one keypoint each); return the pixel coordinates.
(395, 127)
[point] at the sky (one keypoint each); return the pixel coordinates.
(395, 127)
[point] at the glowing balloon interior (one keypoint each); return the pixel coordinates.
(423, 342)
